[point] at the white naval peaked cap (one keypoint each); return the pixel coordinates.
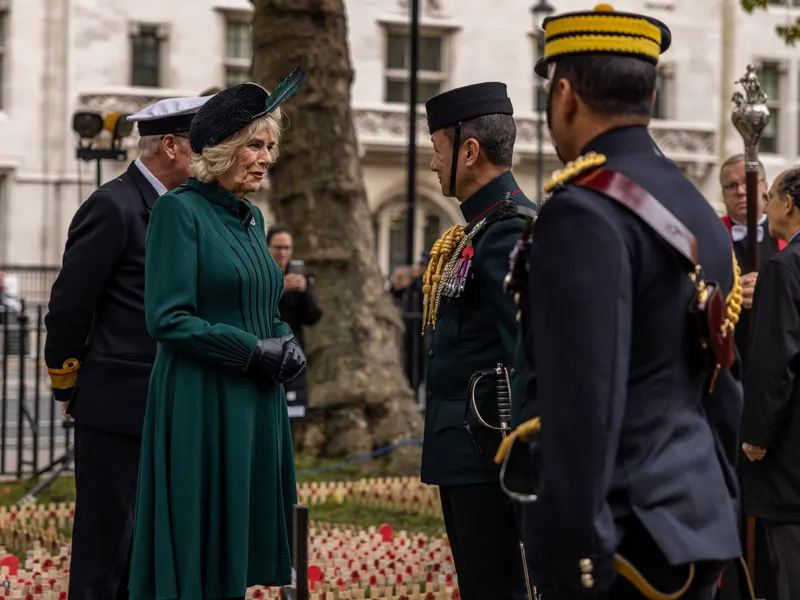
(171, 115)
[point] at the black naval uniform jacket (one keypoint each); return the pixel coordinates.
(629, 432)
(771, 418)
(766, 248)
(473, 332)
(96, 311)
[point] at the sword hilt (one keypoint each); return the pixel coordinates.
(503, 391)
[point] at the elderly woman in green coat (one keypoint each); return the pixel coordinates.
(216, 477)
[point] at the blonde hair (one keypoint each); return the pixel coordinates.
(217, 160)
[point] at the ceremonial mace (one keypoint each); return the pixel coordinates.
(750, 116)
(503, 391)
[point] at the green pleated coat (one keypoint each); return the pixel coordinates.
(216, 478)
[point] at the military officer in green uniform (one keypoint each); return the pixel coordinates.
(473, 132)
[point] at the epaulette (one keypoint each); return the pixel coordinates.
(573, 169)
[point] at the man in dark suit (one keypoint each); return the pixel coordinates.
(473, 133)
(635, 454)
(771, 417)
(734, 196)
(98, 351)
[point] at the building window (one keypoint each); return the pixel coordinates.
(146, 47)
(659, 106)
(769, 75)
(238, 50)
(389, 225)
(431, 74)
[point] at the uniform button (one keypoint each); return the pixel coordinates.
(586, 565)
(587, 580)
(430, 353)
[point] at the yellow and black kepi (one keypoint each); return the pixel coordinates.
(603, 31)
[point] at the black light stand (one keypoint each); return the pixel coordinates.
(88, 153)
(88, 125)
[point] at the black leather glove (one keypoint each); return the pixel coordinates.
(277, 360)
(268, 358)
(293, 362)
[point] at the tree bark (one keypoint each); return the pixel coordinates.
(317, 190)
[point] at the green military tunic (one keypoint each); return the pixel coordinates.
(216, 479)
(475, 331)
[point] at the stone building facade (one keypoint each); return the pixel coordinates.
(60, 56)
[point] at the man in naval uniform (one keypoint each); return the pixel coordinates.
(473, 132)
(98, 351)
(636, 453)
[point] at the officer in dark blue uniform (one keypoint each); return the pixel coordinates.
(98, 351)
(638, 433)
(475, 329)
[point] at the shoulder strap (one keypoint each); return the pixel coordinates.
(638, 200)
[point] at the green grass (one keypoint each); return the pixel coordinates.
(365, 517)
(63, 490)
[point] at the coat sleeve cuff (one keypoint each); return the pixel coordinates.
(586, 577)
(63, 395)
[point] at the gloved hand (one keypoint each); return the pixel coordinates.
(266, 361)
(277, 360)
(293, 362)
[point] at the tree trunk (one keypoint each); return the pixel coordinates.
(317, 190)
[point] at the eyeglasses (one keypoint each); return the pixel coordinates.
(281, 248)
(734, 186)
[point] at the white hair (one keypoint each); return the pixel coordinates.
(150, 145)
(217, 160)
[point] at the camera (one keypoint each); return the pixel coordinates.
(296, 267)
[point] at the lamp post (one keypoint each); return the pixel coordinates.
(540, 11)
(411, 183)
(88, 125)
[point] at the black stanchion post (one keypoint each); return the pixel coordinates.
(37, 379)
(22, 320)
(5, 313)
(300, 534)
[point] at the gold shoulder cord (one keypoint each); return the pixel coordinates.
(530, 428)
(572, 169)
(441, 253)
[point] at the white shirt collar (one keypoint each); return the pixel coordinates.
(159, 187)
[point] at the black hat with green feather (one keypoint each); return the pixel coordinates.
(236, 107)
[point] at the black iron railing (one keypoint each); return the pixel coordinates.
(32, 432)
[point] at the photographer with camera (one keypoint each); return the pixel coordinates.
(298, 307)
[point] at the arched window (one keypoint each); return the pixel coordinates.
(389, 225)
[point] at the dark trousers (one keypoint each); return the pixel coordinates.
(106, 473)
(783, 540)
(482, 530)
